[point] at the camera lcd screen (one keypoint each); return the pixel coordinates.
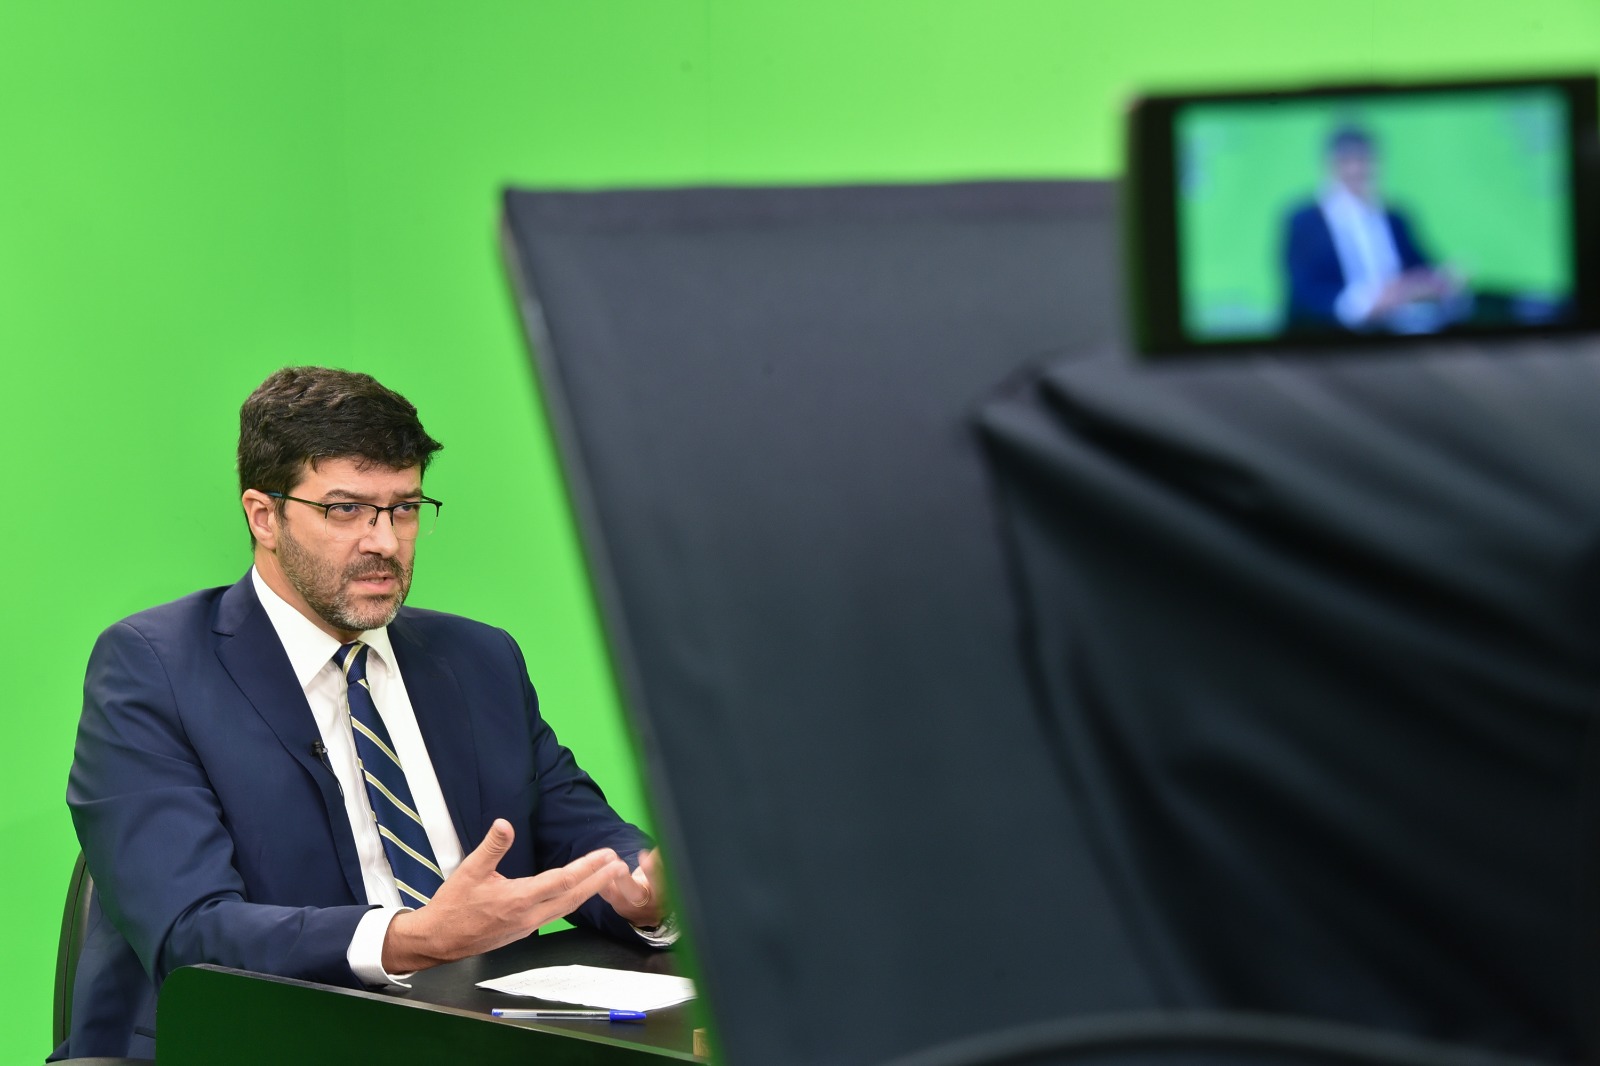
(1361, 214)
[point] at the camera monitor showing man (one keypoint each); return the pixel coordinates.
(1353, 214)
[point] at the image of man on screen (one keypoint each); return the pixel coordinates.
(1353, 263)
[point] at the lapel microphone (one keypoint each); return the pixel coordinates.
(320, 750)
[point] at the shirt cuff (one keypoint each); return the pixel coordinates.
(1354, 305)
(365, 953)
(660, 936)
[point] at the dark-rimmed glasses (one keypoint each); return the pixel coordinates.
(348, 520)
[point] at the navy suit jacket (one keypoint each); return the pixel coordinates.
(1312, 264)
(215, 834)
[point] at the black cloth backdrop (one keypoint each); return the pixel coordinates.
(888, 833)
(1319, 641)
(763, 399)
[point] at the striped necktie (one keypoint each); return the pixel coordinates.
(416, 873)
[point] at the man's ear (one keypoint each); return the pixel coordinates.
(261, 512)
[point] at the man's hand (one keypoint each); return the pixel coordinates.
(477, 909)
(1418, 283)
(640, 897)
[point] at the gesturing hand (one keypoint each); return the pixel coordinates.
(640, 897)
(477, 909)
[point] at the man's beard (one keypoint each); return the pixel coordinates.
(324, 586)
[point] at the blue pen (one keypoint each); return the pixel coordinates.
(572, 1015)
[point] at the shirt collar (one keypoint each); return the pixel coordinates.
(308, 647)
(1339, 198)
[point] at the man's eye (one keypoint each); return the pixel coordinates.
(345, 511)
(405, 511)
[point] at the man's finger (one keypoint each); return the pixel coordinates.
(644, 893)
(565, 889)
(650, 866)
(628, 891)
(487, 855)
(638, 894)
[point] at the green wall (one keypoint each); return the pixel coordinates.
(194, 193)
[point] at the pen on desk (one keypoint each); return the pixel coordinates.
(572, 1015)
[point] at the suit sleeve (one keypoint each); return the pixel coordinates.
(572, 817)
(156, 842)
(1312, 268)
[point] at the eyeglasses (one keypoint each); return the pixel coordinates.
(346, 520)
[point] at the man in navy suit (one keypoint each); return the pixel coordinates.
(1353, 263)
(216, 787)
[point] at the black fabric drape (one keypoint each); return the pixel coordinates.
(1317, 641)
(763, 399)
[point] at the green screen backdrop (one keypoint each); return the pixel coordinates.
(196, 193)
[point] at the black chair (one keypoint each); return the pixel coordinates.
(74, 924)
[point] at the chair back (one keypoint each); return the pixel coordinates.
(74, 922)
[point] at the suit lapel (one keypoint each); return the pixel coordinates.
(254, 657)
(440, 707)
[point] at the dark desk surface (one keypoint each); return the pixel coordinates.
(212, 1015)
(454, 985)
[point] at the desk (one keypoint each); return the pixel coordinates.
(214, 1016)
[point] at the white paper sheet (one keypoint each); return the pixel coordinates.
(596, 986)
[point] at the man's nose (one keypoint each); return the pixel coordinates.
(379, 538)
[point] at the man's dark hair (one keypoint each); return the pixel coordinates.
(305, 414)
(1350, 137)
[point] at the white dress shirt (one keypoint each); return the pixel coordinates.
(1366, 250)
(310, 653)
